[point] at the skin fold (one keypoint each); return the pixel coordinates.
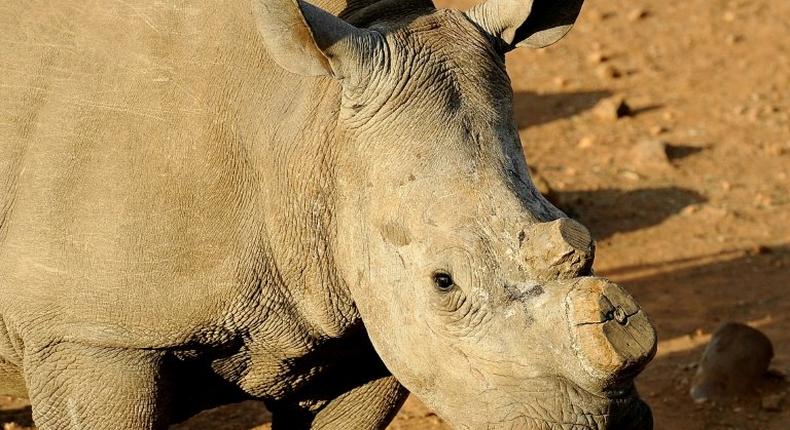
(204, 202)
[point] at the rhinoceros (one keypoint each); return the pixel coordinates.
(323, 206)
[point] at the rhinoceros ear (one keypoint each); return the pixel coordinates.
(531, 23)
(305, 39)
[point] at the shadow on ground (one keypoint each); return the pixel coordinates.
(531, 109)
(608, 211)
(20, 416)
(239, 416)
(699, 295)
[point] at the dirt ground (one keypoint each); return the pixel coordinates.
(687, 195)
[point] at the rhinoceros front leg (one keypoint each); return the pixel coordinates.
(370, 406)
(77, 387)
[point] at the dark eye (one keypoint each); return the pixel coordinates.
(443, 281)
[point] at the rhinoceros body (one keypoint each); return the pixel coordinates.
(202, 202)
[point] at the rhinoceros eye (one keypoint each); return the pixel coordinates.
(443, 281)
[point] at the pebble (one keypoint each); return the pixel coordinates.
(607, 71)
(690, 210)
(586, 142)
(637, 14)
(597, 57)
(631, 176)
(595, 15)
(733, 39)
(650, 153)
(612, 109)
(658, 129)
(729, 16)
(761, 250)
(561, 81)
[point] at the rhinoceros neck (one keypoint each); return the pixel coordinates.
(296, 156)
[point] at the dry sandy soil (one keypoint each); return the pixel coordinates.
(688, 195)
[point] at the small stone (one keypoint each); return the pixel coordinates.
(637, 14)
(772, 402)
(597, 57)
(729, 16)
(733, 39)
(612, 109)
(607, 71)
(631, 176)
(586, 142)
(595, 15)
(739, 110)
(762, 200)
(651, 153)
(726, 186)
(690, 210)
(658, 129)
(761, 250)
(669, 116)
(561, 81)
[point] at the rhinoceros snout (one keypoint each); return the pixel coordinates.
(609, 333)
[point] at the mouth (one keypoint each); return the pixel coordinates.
(562, 405)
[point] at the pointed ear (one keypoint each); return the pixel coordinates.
(305, 39)
(531, 23)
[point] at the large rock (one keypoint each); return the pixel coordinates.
(734, 362)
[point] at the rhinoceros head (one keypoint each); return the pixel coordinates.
(476, 292)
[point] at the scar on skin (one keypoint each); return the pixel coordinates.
(395, 233)
(519, 292)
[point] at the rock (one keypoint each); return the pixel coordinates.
(607, 71)
(612, 109)
(597, 57)
(734, 362)
(772, 402)
(637, 14)
(586, 142)
(631, 176)
(658, 129)
(760, 250)
(650, 154)
(595, 15)
(690, 210)
(733, 38)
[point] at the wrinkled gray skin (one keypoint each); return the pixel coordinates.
(185, 221)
